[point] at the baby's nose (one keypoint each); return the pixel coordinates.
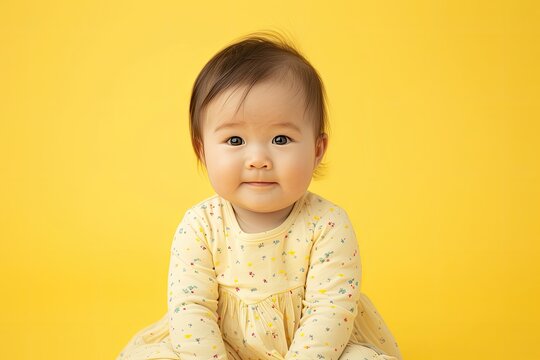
(259, 159)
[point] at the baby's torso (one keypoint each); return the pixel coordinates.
(255, 267)
(261, 277)
(255, 270)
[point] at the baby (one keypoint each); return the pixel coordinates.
(264, 269)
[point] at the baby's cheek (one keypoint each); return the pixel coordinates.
(222, 173)
(299, 172)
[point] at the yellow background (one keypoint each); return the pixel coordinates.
(433, 152)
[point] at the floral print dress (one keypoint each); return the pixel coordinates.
(292, 292)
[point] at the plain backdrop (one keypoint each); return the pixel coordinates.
(433, 152)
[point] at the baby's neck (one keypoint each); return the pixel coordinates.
(254, 222)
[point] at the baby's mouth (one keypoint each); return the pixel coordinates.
(260, 183)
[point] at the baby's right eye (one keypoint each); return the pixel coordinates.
(235, 141)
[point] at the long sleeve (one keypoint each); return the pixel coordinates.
(193, 293)
(332, 291)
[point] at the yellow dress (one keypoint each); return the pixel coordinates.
(292, 292)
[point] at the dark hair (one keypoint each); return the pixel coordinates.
(256, 57)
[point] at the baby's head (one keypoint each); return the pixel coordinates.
(258, 122)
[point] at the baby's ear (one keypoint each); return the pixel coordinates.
(320, 147)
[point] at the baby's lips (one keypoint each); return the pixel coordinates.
(257, 183)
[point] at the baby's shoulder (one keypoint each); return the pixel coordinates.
(320, 208)
(208, 204)
(205, 210)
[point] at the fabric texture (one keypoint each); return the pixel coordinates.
(292, 292)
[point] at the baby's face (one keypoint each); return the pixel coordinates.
(261, 158)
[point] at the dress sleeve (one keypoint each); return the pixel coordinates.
(332, 292)
(193, 294)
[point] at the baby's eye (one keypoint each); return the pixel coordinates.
(281, 140)
(235, 141)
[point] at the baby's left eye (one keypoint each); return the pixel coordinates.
(281, 140)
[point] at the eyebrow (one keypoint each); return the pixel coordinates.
(285, 124)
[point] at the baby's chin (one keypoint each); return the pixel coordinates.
(262, 208)
(257, 204)
(264, 200)
(266, 207)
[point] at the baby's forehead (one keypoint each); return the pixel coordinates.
(271, 93)
(263, 103)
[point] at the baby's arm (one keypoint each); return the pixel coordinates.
(193, 294)
(332, 292)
